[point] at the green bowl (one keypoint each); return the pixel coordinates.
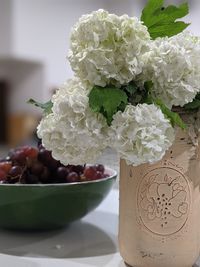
(50, 206)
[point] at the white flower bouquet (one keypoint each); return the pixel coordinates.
(129, 74)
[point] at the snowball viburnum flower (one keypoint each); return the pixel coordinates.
(73, 133)
(106, 48)
(70, 99)
(141, 134)
(173, 65)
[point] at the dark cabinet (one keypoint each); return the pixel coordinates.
(3, 111)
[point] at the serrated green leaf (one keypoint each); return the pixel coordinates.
(169, 29)
(161, 21)
(174, 12)
(107, 101)
(47, 107)
(151, 7)
(168, 14)
(174, 117)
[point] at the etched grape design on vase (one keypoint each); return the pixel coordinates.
(163, 200)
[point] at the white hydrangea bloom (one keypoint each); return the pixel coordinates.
(73, 133)
(70, 99)
(173, 64)
(106, 48)
(141, 134)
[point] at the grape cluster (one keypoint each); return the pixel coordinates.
(32, 165)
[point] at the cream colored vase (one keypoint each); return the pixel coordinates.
(160, 208)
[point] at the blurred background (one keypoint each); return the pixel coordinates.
(34, 42)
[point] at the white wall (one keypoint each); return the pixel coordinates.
(120, 7)
(194, 17)
(5, 27)
(42, 29)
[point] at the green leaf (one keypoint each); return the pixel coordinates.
(47, 107)
(131, 88)
(151, 7)
(174, 117)
(136, 94)
(161, 21)
(148, 85)
(195, 104)
(197, 96)
(169, 30)
(148, 98)
(107, 101)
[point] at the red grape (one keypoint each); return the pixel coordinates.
(46, 158)
(72, 177)
(37, 168)
(53, 164)
(27, 164)
(90, 172)
(18, 157)
(2, 175)
(30, 152)
(44, 155)
(76, 168)
(98, 175)
(62, 173)
(6, 166)
(100, 168)
(15, 171)
(30, 162)
(44, 176)
(32, 179)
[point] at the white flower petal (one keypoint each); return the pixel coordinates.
(106, 48)
(141, 134)
(73, 133)
(173, 65)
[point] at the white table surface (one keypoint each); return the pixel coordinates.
(91, 242)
